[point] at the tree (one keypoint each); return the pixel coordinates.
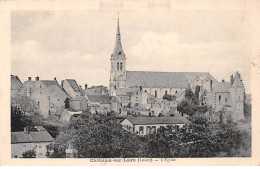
(67, 103)
(197, 90)
(99, 136)
(169, 97)
(29, 154)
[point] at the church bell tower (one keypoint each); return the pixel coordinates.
(118, 64)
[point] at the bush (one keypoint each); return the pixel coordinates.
(29, 154)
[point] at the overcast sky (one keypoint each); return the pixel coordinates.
(78, 44)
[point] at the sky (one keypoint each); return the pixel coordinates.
(77, 44)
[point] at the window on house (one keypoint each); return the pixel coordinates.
(145, 91)
(117, 66)
(153, 130)
(226, 100)
(175, 91)
(155, 93)
(58, 99)
(38, 103)
(148, 130)
(166, 92)
(219, 98)
(141, 130)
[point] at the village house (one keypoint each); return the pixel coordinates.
(47, 94)
(77, 97)
(148, 125)
(228, 96)
(164, 108)
(36, 139)
(104, 104)
(16, 85)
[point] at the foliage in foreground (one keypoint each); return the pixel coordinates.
(104, 137)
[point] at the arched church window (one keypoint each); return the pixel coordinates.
(219, 98)
(165, 92)
(117, 66)
(121, 66)
(155, 93)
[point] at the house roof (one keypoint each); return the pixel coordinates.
(162, 79)
(41, 136)
(221, 87)
(157, 120)
(21, 137)
(73, 84)
(34, 136)
(16, 84)
(103, 99)
(53, 86)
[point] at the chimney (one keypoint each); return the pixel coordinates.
(211, 83)
(86, 86)
(55, 78)
(37, 78)
(29, 78)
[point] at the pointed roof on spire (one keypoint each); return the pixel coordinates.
(118, 49)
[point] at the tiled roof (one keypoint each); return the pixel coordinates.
(21, 137)
(73, 84)
(53, 86)
(157, 120)
(34, 136)
(41, 136)
(48, 83)
(103, 99)
(221, 87)
(162, 79)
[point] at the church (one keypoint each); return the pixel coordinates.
(155, 83)
(218, 95)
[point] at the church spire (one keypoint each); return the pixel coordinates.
(118, 50)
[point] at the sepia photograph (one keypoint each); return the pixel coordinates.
(117, 85)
